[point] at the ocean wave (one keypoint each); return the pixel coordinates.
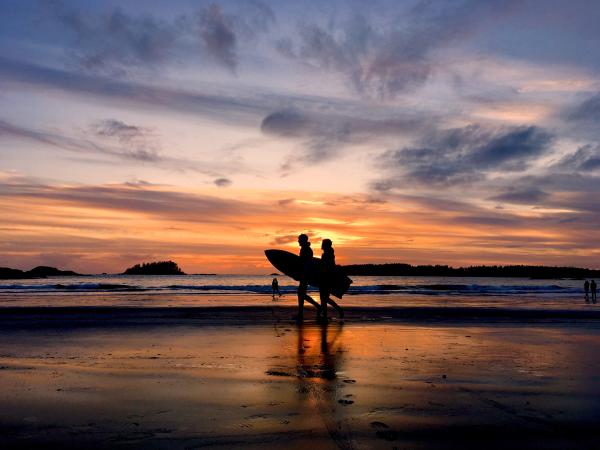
(463, 289)
(69, 287)
(378, 289)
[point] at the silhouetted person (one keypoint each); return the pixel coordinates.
(328, 267)
(275, 287)
(586, 288)
(306, 256)
(593, 289)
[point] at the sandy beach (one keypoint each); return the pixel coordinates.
(252, 378)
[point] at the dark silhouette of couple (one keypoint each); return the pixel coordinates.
(327, 269)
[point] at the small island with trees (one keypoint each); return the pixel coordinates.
(155, 268)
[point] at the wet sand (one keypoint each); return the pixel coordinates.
(239, 378)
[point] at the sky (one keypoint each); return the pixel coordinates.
(455, 132)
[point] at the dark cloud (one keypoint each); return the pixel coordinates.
(323, 136)
(299, 124)
(463, 155)
(120, 130)
(383, 58)
(116, 42)
(286, 202)
(222, 182)
(135, 142)
(375, 64)
(218, 36)
(580, 121)
(287, 123)
(588, 110)
(525, 196)
(562, 181)
(223, 33)
(112, 41)
(585, 159)
(321, 139)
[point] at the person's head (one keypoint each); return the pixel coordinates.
(303, 239)
(326, 244)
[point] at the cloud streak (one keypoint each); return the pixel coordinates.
(115, 140)
(464, 155)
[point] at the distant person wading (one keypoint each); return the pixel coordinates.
(275, 288)
(586, 289)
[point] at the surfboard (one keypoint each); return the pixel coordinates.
(289, 264)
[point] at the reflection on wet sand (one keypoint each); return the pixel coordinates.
(366, 385)
(319, 361)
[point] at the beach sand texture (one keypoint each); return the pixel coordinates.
(275, 384)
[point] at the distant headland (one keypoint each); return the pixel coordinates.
(37, 272)
(155, 268)
(514, 271)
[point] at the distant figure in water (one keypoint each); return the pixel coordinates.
(306, 255)
(586, 288)
(593, 289)
(328, 265)
(275, 287)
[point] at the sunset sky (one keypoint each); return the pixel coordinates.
(452, 132)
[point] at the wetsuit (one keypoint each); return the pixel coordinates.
(306, 256)
(328, 265)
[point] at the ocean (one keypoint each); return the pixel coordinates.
(248, 290)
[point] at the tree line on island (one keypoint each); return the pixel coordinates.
(511, 271)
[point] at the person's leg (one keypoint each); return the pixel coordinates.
(337, 307)
(301, 295)
(324, 296)
(312, 301)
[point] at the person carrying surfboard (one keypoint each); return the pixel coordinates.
(306, 256)
(328, 268)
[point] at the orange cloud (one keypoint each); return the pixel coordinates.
(106, 228)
